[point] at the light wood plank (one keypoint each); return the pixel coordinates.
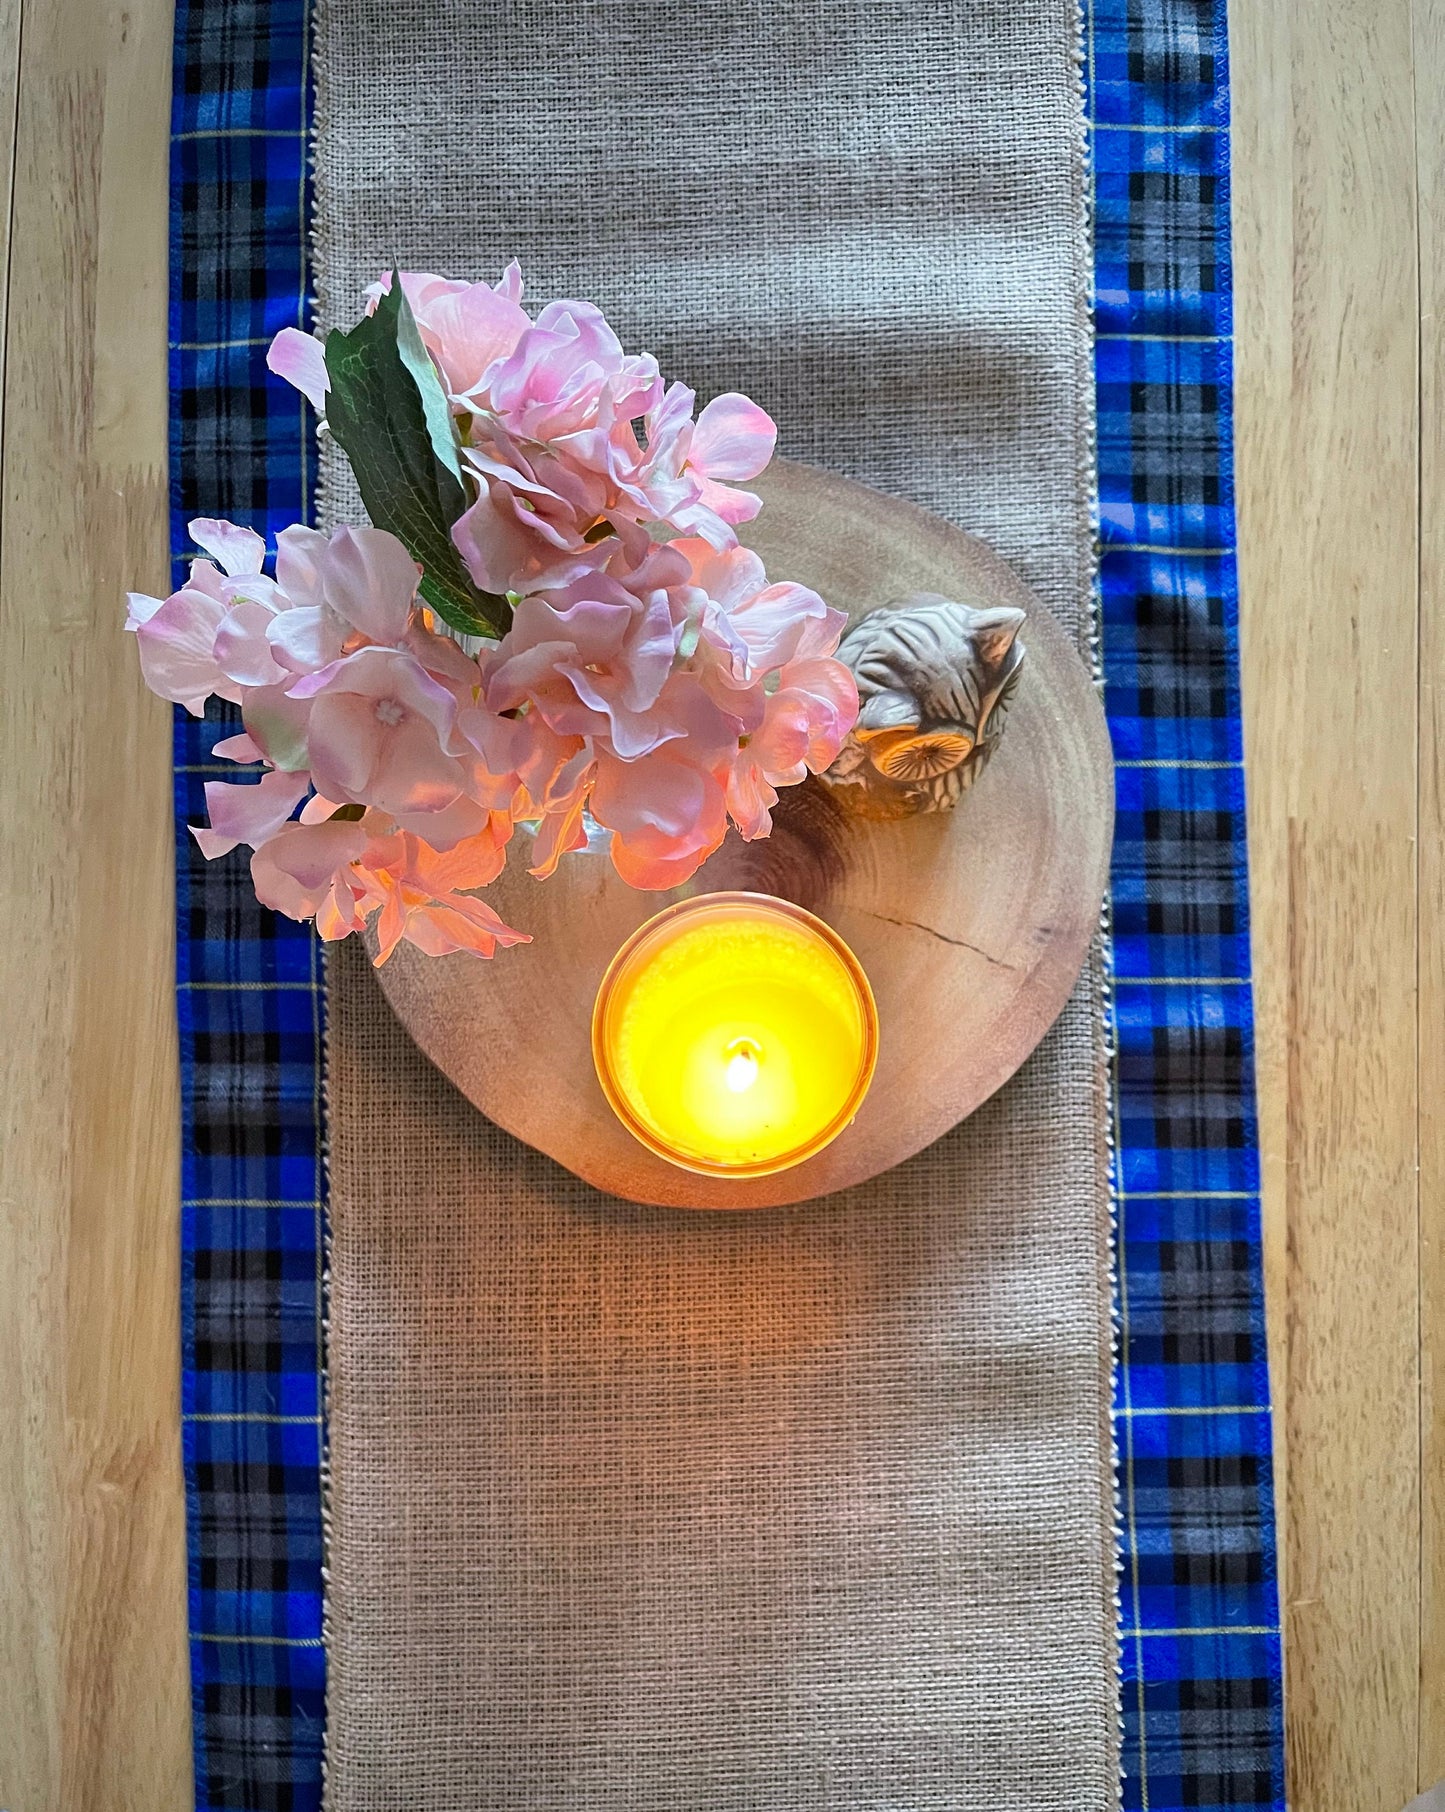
(93, 1676)
(1324, 191)
(9, 94)
(1430, 153)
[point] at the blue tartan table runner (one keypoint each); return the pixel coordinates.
(1200, 1628)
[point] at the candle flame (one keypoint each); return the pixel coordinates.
(742, 1066)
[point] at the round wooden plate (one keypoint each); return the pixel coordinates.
(972, 925)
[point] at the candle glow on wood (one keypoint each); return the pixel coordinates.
(735, 1034)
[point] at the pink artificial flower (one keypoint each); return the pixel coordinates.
(377, 732)
(247, 638)
(176, 637)
(567, 374)
(243, 649)
(562, 808)
(232, 630)
(368, 581)
(548, 411)
(470, 332)
(559, 464)
(184, 656)
(421, 289)
(424, 899)
(466, 327)
(805, 723)
(443, 926)
(651, 673)
(278, 725)
(590, 668)
(340, 871)
(543, 507)
(296, 870)
(514, 758)
(237, 748)
(357, 585)
(524, 535)
(248, 814)
(666, 814)
(688, 652)
(732, 439)
(239, 551)
(301, 361)
(758, 627)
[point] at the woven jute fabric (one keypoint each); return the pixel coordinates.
(802, 1509)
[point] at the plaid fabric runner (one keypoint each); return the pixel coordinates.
(249, 985)
(1201, 1644)
(1202, 1692)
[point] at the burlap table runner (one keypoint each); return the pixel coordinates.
(810, 1508)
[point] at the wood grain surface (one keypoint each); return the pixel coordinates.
(93, 1691)
(1336, 172)
(1339, 203)
(972, 925)
(1429, 93)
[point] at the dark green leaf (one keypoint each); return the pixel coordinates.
(379, 413)
(435, 407)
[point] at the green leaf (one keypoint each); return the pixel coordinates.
(435, 407)
(389, 415)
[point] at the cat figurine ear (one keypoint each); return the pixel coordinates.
(994, 633)
(934, 680)
(1000, 653)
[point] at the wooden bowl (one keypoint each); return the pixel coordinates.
(972, 924)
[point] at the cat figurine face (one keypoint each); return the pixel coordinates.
(934, 682)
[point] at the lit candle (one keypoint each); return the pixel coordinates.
(735, 1034)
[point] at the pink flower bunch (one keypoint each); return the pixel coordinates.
(343, 689)
(650, 677)
(549, 413)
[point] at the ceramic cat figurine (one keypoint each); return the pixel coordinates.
(934, 682)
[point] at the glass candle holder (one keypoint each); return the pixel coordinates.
(735, 1034)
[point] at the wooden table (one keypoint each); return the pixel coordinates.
(1340, 269)
(1340, 252)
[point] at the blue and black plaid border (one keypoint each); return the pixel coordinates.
(248, 983)
(1201, 1643)
(1202, 1693)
